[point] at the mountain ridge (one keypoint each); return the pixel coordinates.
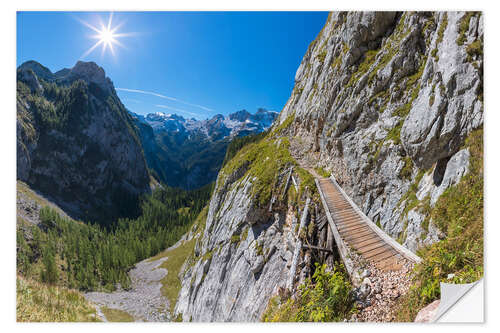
(188, 153)
(77, 144)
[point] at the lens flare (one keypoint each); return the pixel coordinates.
(106, 36)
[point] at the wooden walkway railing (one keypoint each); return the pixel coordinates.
(353, 231)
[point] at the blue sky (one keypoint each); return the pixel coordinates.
(190, 63)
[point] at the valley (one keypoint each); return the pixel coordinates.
(188, 153)
(351, 204)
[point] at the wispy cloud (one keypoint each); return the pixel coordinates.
(131, 100)
(176, 109)
(152, 93)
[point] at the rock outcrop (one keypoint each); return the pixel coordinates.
(385, 101)
(77, 144)
(246, 249)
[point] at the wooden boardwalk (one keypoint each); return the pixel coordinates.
(354, 230)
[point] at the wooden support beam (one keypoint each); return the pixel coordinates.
(298, 247)
(314, 247)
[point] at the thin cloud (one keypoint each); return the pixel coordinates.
(132, 100)
(165, 97)
(176, 109)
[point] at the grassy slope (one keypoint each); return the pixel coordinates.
(115, 315)
(171, 284)
(38, 302)
(23, 189)
(459, 214)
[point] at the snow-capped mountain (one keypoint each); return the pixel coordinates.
(187, 152)
(218, 127)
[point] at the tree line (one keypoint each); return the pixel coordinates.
(90, 257)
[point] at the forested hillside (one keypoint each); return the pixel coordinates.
(65, 252)
(77, 143)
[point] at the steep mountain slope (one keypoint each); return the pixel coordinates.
(188, 153)
(77, 144)
(385, 102)
(389, 103)
(245, 250)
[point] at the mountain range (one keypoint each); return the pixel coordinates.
(188, 153)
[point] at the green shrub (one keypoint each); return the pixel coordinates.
(321, 56)
(464, 27)
(324, 298)
(38, 302)
(407, 169)
(237, 143)
(322, 172)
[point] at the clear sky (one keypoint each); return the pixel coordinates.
(195, 64)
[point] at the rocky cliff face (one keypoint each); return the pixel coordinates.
(76, 143)
(385, 101)
(246, 247)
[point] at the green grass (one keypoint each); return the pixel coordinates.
(262, 161)
(322, 172)
(407, 169)
(459, 214)
(464, 27)
(115, 315)
(474, 49)
(384, 54)
(171, 284)
(324, 298)
(23, 189)
(286, 123)
(395, 133)
(38, 302)
(411, 195)
(442, 28)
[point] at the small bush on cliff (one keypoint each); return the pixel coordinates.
(459, 214)
(324, 298)
(322, 172)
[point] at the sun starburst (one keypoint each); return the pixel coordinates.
(107, 36)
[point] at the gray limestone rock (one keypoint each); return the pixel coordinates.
(391, 98)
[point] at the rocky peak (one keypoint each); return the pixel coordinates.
(38, 69)
(90, 72)
(85, 144)
(241, 115)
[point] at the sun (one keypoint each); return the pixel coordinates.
(107, 36)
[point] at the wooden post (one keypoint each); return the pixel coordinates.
(298, 247)
(287, 182)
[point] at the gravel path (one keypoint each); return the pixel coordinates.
(144, 300)
(383, 289)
